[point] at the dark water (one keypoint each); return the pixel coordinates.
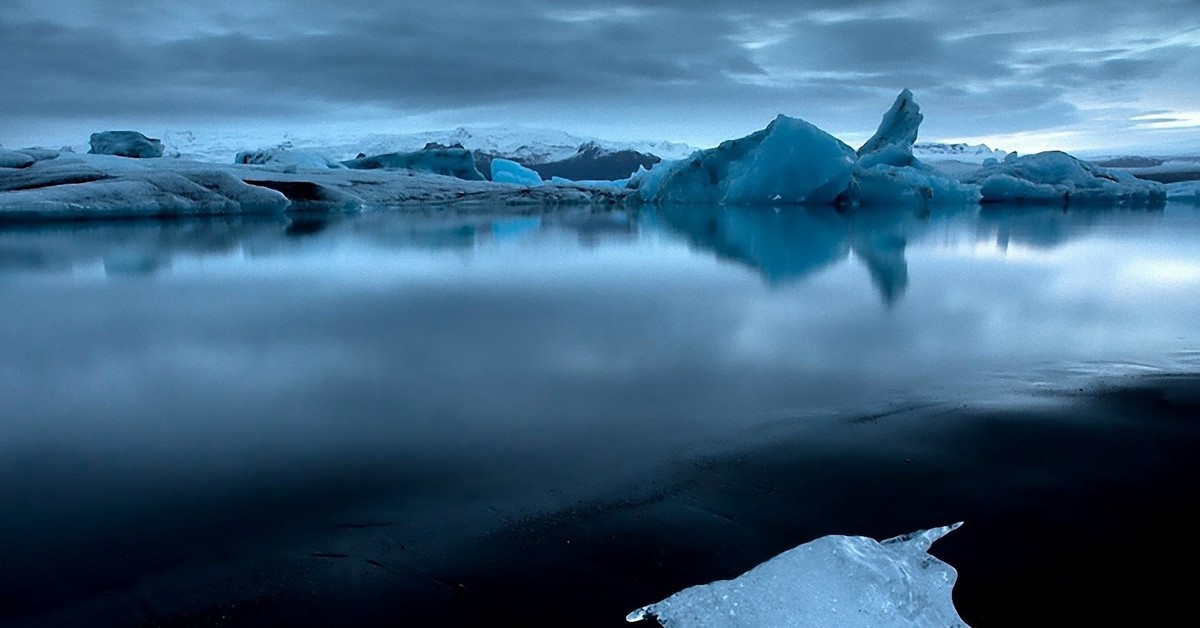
(391, 420)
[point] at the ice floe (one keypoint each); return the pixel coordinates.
(844, 581)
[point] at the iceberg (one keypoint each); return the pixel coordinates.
(893, 141)
(286, 159)
(1184, 191)
(449, 161)
(125, 144)
(15, 159)
(844, 581)
(1055, 177)
(919, 184)
(509, 171)
(888, 173)
(789, 162)
(76, 188)
(25, 157)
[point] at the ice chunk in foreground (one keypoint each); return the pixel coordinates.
(509, 171)
(843, 581)
(125, 144)
(1056, 177)
(892, 143)
(452, 162)
(789, 162)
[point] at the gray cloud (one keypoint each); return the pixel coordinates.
(653, 68)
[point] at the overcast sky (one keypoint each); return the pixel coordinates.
(1021, 74)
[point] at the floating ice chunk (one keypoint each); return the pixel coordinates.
(452, 162)
(82, 192)
(789, 162)
(602, 183)
(15, 159)
(885, 184)
(125, 144)
(1056, 177)
(893, 141)
(887, 172)
(1185, 191)
(287, 159)
(844, 581)
(509, 171)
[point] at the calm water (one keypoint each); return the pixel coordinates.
(199, 413)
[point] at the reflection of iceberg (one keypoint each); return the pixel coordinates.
(844, 581)
(1047, 228)
(783, 245)
(788, 244)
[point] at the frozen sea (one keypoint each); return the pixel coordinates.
(424, 419)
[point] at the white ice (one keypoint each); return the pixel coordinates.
(509, 171)
(843, 581)
(286, 159)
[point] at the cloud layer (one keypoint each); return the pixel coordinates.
(1078, 71)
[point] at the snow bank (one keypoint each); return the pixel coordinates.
(844, 581)
(790, 161)
(125, 144)
(452, 162)
(508, 171)
(1058, 178)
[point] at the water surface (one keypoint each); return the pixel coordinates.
(335, 414)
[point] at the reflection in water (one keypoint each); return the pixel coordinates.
(783, 245)
(256, 381)
(1047, 228)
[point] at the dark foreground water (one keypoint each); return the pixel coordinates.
(391, 420)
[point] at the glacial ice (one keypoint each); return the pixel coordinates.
(286, 159)
(508, 171)
(884, 184)
(789, 162)
(15, 159)
(1184, 191)
(887, 172)
(893, 141)
(453, 162)
(125, 144)
(25, 157)
(844, 581)
(1058, 178)
(95, 187)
